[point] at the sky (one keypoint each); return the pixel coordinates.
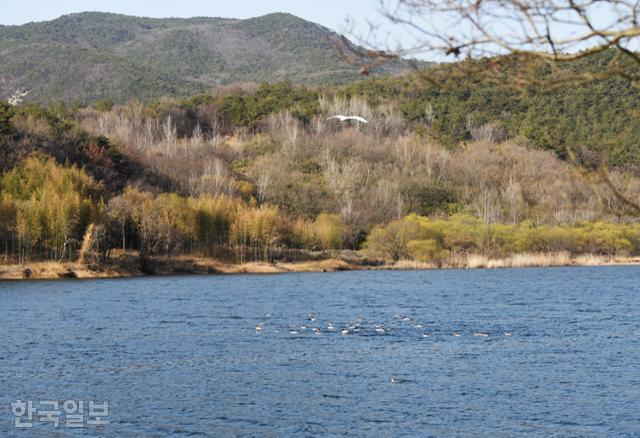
(330, 13)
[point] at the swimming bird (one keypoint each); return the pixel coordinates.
(425, 335)
(346, 118)
(379, 329)
(482, 334)
(344, 332)
(316, 330)
(258, 327)
(456, 334)
(507, 333)
(293, 331)
(418, 326)
(330, 326)
(312, 317)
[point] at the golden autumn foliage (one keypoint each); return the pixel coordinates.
(46, 208)
(423, 239)
(49, 211)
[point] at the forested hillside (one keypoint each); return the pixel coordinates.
(114, 58)
(592, 116)
(259, 173)
(89, 56)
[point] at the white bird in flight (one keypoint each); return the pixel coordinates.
(345, 118)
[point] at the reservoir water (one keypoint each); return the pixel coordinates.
(430, 353)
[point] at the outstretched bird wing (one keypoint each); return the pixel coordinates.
(345, 118)
(357, 119)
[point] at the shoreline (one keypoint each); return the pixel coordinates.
(183, 265)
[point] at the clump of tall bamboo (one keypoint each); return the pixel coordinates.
(46, 209)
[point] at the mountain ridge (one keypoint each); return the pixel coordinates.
(96, 55)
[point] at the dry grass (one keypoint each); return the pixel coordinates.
(410, 264)
(526, 260)
(205, 265)
(127, 265)
(249, 268)
(53, 270)
(523, 260)
(331, 265)
(476, 261)
(592, 260)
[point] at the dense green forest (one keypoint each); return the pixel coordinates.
(257, 172)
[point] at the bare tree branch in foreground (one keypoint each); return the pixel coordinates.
(548, 31)
(537, 41)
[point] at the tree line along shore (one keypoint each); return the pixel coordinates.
(257, 178)
(55, 214)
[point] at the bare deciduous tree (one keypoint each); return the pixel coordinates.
(170, 135)
(214, 179)
(342, 180)
(286, 130)
(512, 194)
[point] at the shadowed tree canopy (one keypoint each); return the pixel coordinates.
(5, 120)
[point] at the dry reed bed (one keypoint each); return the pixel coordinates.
(54, 270)
(523, 260)
(183, 265)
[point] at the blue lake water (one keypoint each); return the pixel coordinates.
(456, 353)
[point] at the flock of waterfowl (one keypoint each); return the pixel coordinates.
(358, 326)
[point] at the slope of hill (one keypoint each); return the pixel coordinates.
(90, 56)
(599, 116)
